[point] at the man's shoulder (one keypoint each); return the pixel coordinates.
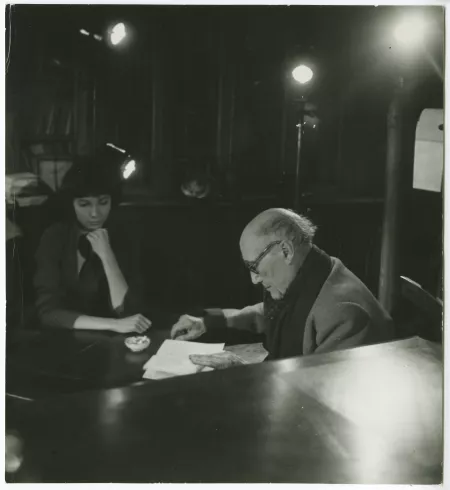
(342, 283)
(344, 288)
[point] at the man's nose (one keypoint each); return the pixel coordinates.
(255, 278)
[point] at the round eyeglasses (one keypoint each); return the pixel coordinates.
(252, 266)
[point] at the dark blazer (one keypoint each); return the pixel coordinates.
(60, 297)
(345, 314)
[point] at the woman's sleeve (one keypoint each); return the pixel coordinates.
(48, 286)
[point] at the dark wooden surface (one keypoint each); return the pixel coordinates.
(365, 415)
(50, 362)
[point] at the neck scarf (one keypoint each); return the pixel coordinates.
(287, 317)
(93, 281)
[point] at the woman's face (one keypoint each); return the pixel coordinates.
(92, 212)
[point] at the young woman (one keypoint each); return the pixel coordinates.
(88, 274)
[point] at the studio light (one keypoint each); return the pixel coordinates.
(128, 168)
(410, 33)
(302, 74)
(97, 37)
(118, 34)
(114, 147)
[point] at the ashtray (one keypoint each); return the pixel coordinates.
(137, 344)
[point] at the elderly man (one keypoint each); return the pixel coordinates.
(311, 304)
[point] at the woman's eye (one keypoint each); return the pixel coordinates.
(83, 204)
(105, 202)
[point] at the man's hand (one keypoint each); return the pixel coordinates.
(99, 240)
(188, 328)
(136, 323)
(223, 360)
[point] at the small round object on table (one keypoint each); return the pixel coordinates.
(138, 343)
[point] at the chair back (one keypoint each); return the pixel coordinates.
(418, 312)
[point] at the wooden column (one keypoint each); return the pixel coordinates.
(159, 173)
(389, 273)
(226, 106)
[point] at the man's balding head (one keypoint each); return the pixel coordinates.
(279, 224)
(294, 233)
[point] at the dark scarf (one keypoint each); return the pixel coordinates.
(286, 317)
(94, 284)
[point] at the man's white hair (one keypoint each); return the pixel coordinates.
(286, 224)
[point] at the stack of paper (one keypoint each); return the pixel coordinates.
(172, 359)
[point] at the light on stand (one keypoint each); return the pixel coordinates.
(114, 147)
(410, 33)
(118, 33)
(302, 74)
(128, 168)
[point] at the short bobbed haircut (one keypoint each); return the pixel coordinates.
(91, 176)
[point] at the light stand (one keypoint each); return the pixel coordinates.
(300, 126)
(302, 74)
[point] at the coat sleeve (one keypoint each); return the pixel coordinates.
(50, 292)
(344, 326)
(250, 318)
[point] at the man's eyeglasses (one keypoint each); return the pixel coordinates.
(253, 265)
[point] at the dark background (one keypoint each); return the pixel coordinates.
(209, 88)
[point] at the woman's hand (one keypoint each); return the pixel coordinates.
(136, 323)
(99, 239)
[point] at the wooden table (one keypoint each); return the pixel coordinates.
(365, 415)
(50, 362)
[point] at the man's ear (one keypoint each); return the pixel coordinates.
(287, 248)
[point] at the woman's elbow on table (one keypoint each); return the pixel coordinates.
(59, 318)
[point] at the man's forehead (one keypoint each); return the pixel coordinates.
(251, 244)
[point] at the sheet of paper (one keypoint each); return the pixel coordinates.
(172, 358)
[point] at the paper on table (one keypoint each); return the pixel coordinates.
(172, 358)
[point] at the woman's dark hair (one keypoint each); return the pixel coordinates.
(91, 176)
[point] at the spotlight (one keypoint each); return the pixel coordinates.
(84, 32)
(128, 168)
(302, 74)
(118, 34)
(114, 147)
(410, 33)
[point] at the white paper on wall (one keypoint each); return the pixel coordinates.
(429, 151)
